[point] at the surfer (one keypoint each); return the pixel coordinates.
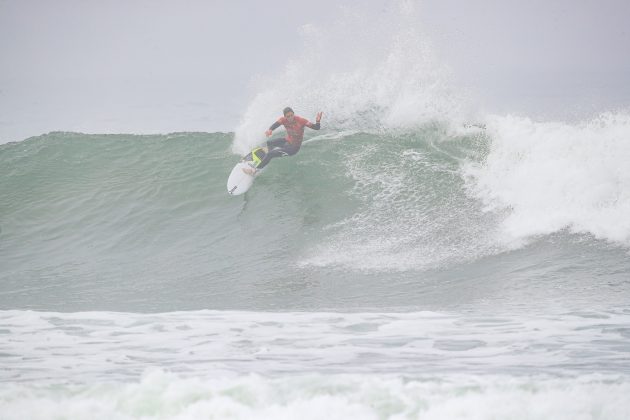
(287, 145)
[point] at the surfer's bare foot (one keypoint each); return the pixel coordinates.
(250, 171)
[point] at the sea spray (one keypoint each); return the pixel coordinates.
(365, 72)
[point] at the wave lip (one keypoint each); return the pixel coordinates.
(550, 176)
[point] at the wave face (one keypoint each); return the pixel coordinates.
(388, 219)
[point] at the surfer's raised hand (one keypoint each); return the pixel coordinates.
(318, 117)
(268, 133)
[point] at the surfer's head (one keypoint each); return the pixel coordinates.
(288, 113)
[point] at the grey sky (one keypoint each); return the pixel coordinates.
(161, 66)
(571, 55)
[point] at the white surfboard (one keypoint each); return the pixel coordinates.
(239, 182)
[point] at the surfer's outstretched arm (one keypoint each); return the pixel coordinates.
(273, 127)
(315, 126)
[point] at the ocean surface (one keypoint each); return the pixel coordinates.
(445, 271)
(422, 257)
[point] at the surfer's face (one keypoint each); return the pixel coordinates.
(289, 116)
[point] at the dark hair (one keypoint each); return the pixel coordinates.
(286, 110)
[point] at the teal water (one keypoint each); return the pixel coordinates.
(385, 221)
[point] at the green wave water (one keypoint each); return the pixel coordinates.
(357, 220)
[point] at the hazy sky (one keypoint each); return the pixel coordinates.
(571, 55)
(162, 66)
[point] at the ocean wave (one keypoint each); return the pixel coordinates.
(162, 395)
(551, 176)
(435, 197)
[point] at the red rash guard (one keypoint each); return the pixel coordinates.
(295, 129)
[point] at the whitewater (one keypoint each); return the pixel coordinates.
(419, 258)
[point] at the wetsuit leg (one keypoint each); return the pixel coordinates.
(277, 148)
(277, 142)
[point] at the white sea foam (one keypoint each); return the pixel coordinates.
(550, 176)
(162, 395)
(241, 365)
(95, 346)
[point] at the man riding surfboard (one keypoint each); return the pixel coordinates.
(284, 146)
